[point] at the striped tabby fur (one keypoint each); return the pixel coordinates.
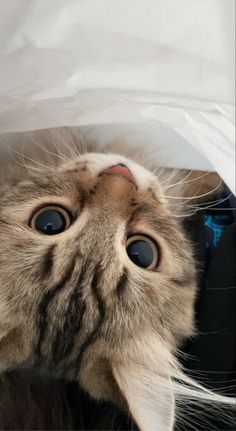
(74, 307)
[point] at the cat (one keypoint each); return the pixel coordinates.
(97, 282)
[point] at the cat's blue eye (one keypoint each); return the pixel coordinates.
(142, 251)
(50, 220)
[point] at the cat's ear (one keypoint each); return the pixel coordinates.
(149, 396)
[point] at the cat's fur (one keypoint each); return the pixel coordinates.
(73, 305)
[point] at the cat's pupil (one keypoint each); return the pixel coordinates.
(141, 253)
(50, 222)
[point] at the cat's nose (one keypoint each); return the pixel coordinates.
(119, 169)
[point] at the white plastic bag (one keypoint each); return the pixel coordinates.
(163, 68)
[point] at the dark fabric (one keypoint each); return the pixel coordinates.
(213, 351)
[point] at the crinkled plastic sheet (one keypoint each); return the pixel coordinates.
(161, 68)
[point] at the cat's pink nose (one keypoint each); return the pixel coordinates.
(119, 169)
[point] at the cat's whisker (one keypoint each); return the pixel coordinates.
(205, 378)
(193, 409)
(181, 182)
(167, 179)
(197, 208)
(180, 353)
(193, 209)
(158, 171)
(201, 207)
(223, 209)
(188, 415)
(189, 173)
(183, 198)
(183, 420)
(212, 204)
(183, 215)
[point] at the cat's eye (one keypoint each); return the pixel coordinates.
(50, 220)
(142, 251)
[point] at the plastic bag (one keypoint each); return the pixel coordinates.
(161, 68)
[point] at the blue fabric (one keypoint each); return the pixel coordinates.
(218, 219)
(215, 226)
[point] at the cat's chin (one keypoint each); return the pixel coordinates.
(97, 378)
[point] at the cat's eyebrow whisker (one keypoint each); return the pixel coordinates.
(45, 167)
(59, 143)
(45, 149)
(54, 133)
(76, 151)
(12, 150)
(82, 141)
(83, 145)
(24, 165)
(57, 147)
(34, 169)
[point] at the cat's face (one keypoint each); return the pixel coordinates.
(82, 301)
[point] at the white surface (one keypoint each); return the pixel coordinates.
(165, 64)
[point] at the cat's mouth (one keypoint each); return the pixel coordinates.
(119, 169)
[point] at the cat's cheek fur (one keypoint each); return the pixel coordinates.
(138, 381)
(150, 398)
(15, 348)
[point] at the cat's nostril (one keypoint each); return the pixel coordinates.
(119, 169)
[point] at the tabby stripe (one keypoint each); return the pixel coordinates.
(65, 339)
(186, 280)
(47, 263)
(121, 285)
(42, 321)
(101, 308)
(2, 221)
